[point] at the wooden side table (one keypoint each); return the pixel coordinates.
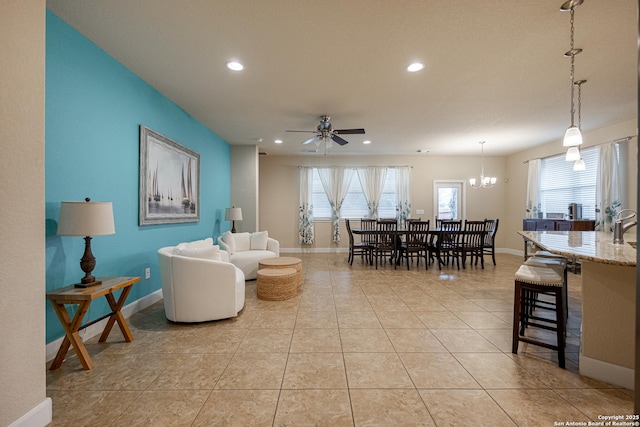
(83, 297)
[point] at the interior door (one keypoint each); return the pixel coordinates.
(449, 201)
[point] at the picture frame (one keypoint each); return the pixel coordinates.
(169, 190)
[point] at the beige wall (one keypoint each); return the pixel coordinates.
(279, 190)
(517, 174)
(22, 274)
(244, 185)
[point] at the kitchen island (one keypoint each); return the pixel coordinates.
(607, 346)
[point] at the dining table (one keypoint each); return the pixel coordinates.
(434, 233)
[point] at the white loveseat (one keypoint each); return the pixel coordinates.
(247, 249)
(199, 283)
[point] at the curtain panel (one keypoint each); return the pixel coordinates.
(372, 181)
(305, 214)
(403, 204)
(608, 186)
(533, 188)
(336, 181)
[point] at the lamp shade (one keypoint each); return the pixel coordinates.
(572, 137)
(573, 154)
(579, 165)
(233, 214)
(86, 219)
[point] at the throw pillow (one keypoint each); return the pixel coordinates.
(203, 252)
(200, 243)
(228, 238)
(259, 241)
(243, 242)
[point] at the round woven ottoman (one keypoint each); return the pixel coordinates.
(277, 284)
(284, 262)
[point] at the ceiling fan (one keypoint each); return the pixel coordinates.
(325, 132)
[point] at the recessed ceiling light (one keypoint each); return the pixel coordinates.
(235, 66)
(366, 142)
(416, 66)
(278, 141)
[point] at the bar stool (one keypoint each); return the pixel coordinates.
(531, 279)
(560, 264)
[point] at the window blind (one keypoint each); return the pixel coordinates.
(560, 185)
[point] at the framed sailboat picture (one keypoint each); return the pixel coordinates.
(169, 180)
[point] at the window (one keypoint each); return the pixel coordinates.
(448, 200)
(355, 204)
(561, 185)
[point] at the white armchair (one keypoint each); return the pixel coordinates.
(247, 249)
(199, 283)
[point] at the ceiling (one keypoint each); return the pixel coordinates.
(494, 70)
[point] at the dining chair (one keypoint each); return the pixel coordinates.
(385, 243)
(489, 246)
(445, 246)
(471, 243)
(361, 248)
(415, 244)
(368, 225)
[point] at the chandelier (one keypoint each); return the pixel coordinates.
(573, 135)
(485, 181)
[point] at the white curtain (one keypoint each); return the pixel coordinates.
(403, 204)
(372, 181)
(336, 181)
(305, 216)
(533, 189)
(608, 186)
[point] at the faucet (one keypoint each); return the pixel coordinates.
(619, 229)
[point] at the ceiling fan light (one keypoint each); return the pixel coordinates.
(573, 154)
(572, 137)
(579, 165)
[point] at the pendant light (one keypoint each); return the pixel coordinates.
(485, 181)
(572, 136)
(579, 164)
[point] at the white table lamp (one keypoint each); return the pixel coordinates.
(233, 214)
(86, 219)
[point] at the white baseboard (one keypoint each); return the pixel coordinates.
(97, 328)
(39, 416)
(510, 251)
(607, 372)
(305, 250)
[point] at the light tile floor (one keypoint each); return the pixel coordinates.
(357, 346)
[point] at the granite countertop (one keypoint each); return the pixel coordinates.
(596, 246)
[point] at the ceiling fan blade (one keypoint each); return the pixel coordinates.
(313, 138)
(339, 140)
(305, 131)
(349, 131)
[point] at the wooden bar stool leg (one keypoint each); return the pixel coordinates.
(516, 318)
(560, 331)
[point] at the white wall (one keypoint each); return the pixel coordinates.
(517, 173)
(279, 187)
(279, 190)
(22, 228)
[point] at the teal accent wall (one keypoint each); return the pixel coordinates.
(94, 108)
